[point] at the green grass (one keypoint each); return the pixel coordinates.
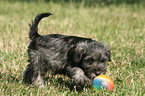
(121, 26)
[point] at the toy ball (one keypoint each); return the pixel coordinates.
(103, 82)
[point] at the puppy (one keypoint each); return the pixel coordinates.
(79, 58)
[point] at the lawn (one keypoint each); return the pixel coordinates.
(122, 26)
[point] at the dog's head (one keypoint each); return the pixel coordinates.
(91, 57)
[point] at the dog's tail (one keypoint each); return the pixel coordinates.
(34, 27)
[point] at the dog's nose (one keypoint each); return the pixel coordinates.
(109, 59)
(98, 73)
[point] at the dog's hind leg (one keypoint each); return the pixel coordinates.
(33, 77)
(35, 72)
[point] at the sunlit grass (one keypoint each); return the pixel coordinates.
(122, 27)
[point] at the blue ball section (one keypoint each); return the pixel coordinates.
(98, 84)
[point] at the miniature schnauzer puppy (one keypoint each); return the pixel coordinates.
(79, 58)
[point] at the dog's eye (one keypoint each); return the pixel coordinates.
(89, 61)
(107, 53)
(102, 61)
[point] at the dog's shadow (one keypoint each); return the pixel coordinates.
(63, 82)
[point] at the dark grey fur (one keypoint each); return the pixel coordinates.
(78, 58)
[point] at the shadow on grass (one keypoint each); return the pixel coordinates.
(89, 3)
(63, 82)
(9, 78)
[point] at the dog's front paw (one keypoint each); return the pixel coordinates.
(80, 78)
(83, 81)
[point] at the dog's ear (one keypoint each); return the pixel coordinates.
(75, 54)
(78, 55)
(79, 51)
